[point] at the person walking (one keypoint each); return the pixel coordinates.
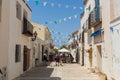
(55, 57)
(50, 59)
(58, 59)
(45, 59)
(61, 58)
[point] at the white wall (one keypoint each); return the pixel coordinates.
(4, 34)
(83, 22)
(115, 48)
(16, 37)
(107, 56)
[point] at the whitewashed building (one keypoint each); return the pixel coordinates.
(15, 42)
(115, 37)
(103, 29)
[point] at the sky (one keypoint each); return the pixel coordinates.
(62, 17)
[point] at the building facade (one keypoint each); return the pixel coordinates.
(46, 43)
(15, 33)
(100, 37)
(115, 37)
(74, 45)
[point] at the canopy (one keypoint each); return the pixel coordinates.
(63, 50)
(96, 33)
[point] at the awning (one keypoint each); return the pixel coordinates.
(63, 50)
(96, 33)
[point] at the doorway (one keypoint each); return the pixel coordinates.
(99, 58)
(90, 57)
(26, 58)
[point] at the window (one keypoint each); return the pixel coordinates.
(17, 53)
(25, 14)
(18, 11)
(0, 9)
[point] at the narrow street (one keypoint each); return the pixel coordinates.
(66, 72)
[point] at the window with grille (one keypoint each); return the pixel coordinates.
(17, 53)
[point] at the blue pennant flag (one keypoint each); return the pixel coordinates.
(55, 22)
(59, 33)
(46, 22)
(53, 32)
(111, 28)
(81, 14)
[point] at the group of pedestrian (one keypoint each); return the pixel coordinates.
(58, 59)
(47, 60)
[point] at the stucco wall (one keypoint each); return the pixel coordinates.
(16, 37)
(40, 29)
(115, 48)
(90, 3)
(4, 34)
(107, 57)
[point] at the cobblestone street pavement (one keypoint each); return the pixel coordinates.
(65, 72)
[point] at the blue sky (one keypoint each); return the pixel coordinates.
(58, 16)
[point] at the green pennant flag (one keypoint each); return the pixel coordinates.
(92, 11)
(87, 8)
(37, 2)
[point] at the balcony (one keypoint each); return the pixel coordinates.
(27, 28)
(95, 17)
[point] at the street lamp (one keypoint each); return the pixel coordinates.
(34, 36)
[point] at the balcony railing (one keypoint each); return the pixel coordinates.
(27, 28)
(95, 17)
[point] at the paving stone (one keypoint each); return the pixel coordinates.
(65, 72)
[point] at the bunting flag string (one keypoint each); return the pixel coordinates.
(114, 29)
(45, 3)
(63, 20)
(56, 35)
(60, 5)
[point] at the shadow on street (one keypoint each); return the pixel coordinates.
(38, 73)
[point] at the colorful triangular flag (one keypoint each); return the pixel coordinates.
(37, 2)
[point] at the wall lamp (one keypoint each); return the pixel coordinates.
(34, 36)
